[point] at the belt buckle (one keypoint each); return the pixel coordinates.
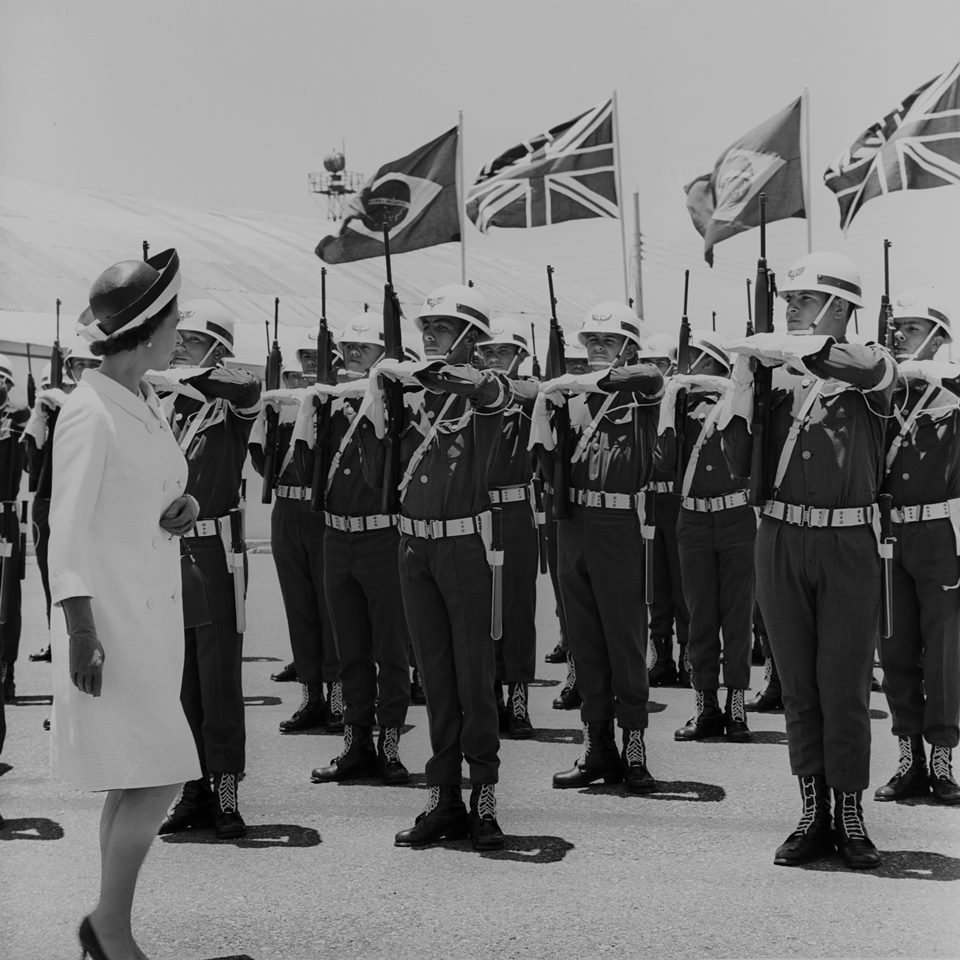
(435, 528)
(355, 524)
(818, 516)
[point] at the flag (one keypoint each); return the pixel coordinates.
(567, 173)
(726, 201)
(415, 195)
(914, 147)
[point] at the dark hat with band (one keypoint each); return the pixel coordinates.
(152, 285)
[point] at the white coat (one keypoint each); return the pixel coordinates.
(116, 469)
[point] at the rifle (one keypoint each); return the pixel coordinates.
(557, 367)
(44, 475)
(749, 310)
(533, 352)
(392, 389)
(318, 486)
(146, 253)
(31, 383)
(762, 376)
(680, 409)
(885, 320)
(539, 513)
(272, 417)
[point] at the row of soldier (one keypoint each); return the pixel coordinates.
(656, 472)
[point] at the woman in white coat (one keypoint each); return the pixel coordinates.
(116, 510)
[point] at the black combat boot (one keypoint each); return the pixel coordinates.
(770, 698)
(600, 759)
(735, 717)
(855, 846)
(392, 770)
(417, 696)
(569, 697)
(663, 670)
(193, 808)
(228, 824)
(813, 837)
(945, 788)
(357, 760)
(636, 776)
(445, 817)
(312, 712)
(518, 716)
(335, 707)
(287, 674)
(557, 655)
(911, 779)
(485, 832)
(708, 720)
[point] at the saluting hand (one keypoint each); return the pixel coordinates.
(180, 517)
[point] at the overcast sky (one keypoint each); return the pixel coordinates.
(230, 103)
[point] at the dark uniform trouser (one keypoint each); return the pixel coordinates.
(516, 650)
(601, 558)
(446, 593)
(819, 592)
(716, 560)
(921, 661)
(10, 631)
(40, 516)
(669, 606)
(296, 537)
(211, 692)
(362, 585)
(553, 567)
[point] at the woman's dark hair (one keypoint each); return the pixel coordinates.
(131, 339)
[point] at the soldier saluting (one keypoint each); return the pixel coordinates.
(817, 562)
(921, 657)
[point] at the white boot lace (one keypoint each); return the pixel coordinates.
(433, 800)
(336, 698)
(227, 792)
(851, 817)
(737, 709)
(634, 750)
(940, 765)
(808, 791)
(487, 802)
(391, 744)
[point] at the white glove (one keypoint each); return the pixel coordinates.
(738, 401)
(554, 389)
(541, 431)
(276, 399)
(51, 399)
(775, 348)
(933, 371)
(172, 379)
(403, 370)
(702, 382)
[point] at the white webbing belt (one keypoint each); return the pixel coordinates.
(907, 424)
(794, 434)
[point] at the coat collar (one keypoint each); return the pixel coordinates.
(145, 410)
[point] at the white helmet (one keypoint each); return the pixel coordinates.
(308, 344)
(6, 369)
(511, 331)
(80, 350)
(363, 328)
(574, 350)
(611, 316)
(923, 303)
(209, 317)
(708, 342)
(454, 300)
(46, 376)
(410, 338)
(659, 346)
(825, 272)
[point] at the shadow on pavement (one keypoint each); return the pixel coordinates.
(5, 768)
(878, 714)
(35, 700)
(926, 801)
(654, 707)
(555, 735)
(898, 865)
(261, 659)
(261, 701)
(539, 682)
(536, 849)
(288, 835)
(767, 736)
(688, 791)
(31, 828)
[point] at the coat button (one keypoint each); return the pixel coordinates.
(709, 467)
(906, 476)
(346, 471)
(150, 427)
(424, 478)
(149, 603)
(806, 454)
(157, 541)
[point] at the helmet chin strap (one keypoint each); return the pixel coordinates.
(926, 340)
(456, 343)
(206, 356)
(603, 364)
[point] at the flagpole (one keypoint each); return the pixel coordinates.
(805, 162)
(461, 208)
(623, 221)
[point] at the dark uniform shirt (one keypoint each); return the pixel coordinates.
(837, 460)
(13, 418)
(355, 485)
(927, 466)
(513, 464)
(452, 478)
(713, 475)
(216, 451)
(619, 456)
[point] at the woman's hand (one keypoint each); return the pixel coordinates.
(86, 654)
(180, 517)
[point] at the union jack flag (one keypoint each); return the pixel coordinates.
(914, 147)
(567, 173)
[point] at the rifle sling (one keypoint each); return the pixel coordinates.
(706, 431)
(906, 425)
(794, 435)
(421, 451)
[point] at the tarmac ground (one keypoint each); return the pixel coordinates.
(686, 872)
